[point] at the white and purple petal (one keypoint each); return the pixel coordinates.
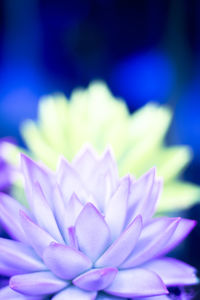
(116, 209)
(122, 247)
(74, 293)
(7, 293)
(172, 271)
(136, 282)
(92, 232)
(37, 284)
(17, 258)
(38, 238)
(65, 262)
(95, 279)
(153, 238)
(9, 217)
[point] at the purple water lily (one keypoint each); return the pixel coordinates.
(89, 235)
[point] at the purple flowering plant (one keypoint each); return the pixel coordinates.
(89, 234)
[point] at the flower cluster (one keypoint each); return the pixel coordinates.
(93, 115)
(89, 234)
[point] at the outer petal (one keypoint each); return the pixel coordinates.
(17, 258)
(65, 262)
(92, 232)
(172, 271)
(95, 279)
(153, 238)
(74, 293)
(36, 284)
(117, 208)
(122, 247)
(183, 229)
(9, 217)
(38, 238)
(43, 213)
(7, 293)
(136, 282)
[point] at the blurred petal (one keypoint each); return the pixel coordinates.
(95, 279)
(9, 217)
(38, 238)
(116, 209)
(74, 293)
(36, 284)
(146, 283)
(18, 258)
(92, 232)
(65, 262)
(153, 238)
(178, 195)
(172, 271)
(122, 247)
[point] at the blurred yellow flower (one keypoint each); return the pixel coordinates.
(95, 116)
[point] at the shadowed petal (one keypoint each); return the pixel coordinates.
(18, 257)
(7, 293)
(153, 238)
(74, 293)
(172, 271)
(92, 232)
(136, 282)
(116, 209)
(65, 262)
(43, 213)
(184, 227)
(38, 238)
(95, 279)
(9, 217)
(36, 284)
(122, 247)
